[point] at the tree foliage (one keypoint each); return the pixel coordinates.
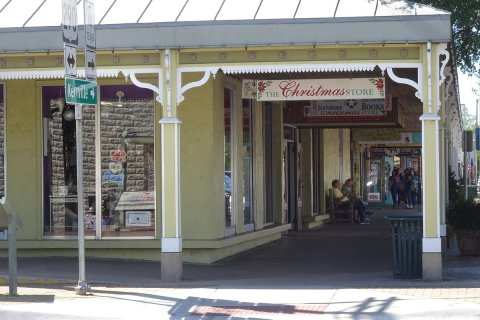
(465, 31)
(468, 120)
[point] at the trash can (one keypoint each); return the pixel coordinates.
(407, 246)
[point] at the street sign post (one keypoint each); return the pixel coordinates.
(90, 40)
(69, 22)
(79, 91)
(89, 16)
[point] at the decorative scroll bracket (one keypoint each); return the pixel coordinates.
(158, 90)
(416, 85)
(181, 90)
(441, 50)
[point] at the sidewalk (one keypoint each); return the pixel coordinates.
(337, 271)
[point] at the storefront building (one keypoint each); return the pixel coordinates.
(218, 129)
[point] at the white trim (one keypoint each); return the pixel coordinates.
(162, 145)
(176, 122)
(436, 118)
(53, 74)
(178, 211)
(416, 85)
(249, 227)
(443, 230)
(431, 245)
(429, 117)
(304, 67)
(429, 74)
(132, 74)
(441, 49)
(168, 82)
(60, 74)
(171, 244)
(437, 176)
(230, 231)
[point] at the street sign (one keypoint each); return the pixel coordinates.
(79, 91)
(90, 65)
(89, 16)
(69, 22)
(70, 60)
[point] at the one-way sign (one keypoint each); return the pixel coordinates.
(90, 65)
(70, 60)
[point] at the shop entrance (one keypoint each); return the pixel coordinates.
(378, 166)
(291, 183)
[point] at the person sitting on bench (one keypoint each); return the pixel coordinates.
(341, 200)
(347, 191)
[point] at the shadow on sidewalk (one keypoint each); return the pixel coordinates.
(331, 255)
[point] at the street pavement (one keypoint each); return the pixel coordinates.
(334, 272)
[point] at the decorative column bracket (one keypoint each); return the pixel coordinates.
(442, 50)
(416, 85)
(158, 90)
(181, 90)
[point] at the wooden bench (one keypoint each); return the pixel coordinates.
(336, 213)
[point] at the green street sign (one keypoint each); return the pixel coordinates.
(78, 91)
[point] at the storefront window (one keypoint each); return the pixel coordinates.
(127, 162)
(60, 165)
(374, 180)
(126, 150)
(247, 163)
(228, 120)
(2, 142)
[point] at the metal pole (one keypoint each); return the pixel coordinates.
(82, 286)
(12, 254)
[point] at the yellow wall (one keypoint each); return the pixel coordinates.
(307, 201)
(331, 169)
(259, 160)
(347, 172)
(24, 155)
(201, 166)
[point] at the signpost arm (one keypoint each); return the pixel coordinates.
(82, 286)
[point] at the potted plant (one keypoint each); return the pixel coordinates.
(463, 219)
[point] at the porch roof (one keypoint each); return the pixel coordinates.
(145, 24)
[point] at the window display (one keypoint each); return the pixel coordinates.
(2, 143)
(125, 146)
(228, 120)
(127, 161)
(60, 165)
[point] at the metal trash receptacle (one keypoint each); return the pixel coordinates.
(407, 234)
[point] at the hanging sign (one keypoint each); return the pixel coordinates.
(320, 89)
(330, 111)
(352, 107)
